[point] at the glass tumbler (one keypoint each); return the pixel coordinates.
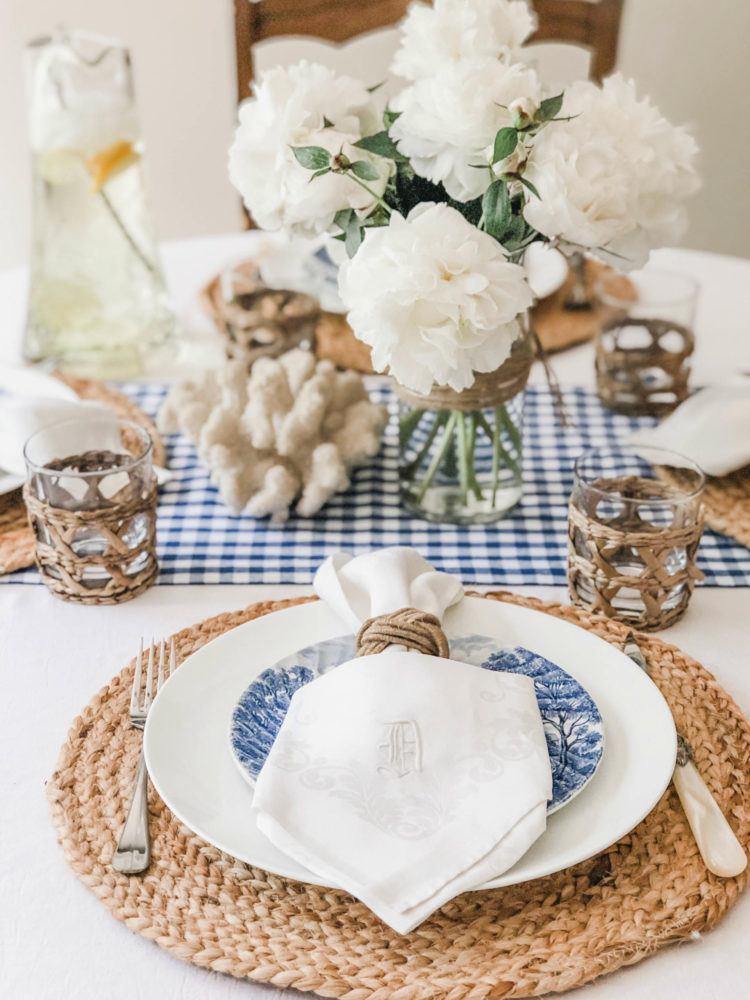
(644, 344)
(635, 522)
(91, 496)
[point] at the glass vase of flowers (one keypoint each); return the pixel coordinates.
(461, 453)
(430, 201)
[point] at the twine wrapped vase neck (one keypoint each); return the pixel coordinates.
(489, 389)
(407, 627)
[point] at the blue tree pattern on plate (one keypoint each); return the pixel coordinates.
(572, 723)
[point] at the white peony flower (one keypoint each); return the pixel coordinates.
(435, 298)
(448, 122)
(613, 178)
(290, 107)
(453, 31)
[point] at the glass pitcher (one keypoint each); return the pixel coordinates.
(97, 300)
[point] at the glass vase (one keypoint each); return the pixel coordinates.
(461, 454)
(97, 300)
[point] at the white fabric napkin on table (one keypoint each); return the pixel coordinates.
(31, 400)
(404, 778)
(712, 427)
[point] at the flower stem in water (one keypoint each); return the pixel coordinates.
(439, 455)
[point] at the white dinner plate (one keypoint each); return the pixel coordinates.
(546, 269)
(191, 766)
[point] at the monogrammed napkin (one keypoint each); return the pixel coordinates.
(405, 778)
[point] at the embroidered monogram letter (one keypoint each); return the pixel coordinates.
(401, 750)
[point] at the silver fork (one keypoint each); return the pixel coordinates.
(133, 853)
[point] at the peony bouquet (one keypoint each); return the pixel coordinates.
(434, 198)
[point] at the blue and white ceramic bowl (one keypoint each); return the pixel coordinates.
(572, 723)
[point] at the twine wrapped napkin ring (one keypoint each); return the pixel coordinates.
(406, 627)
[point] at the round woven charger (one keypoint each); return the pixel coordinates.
(16, 537)
(648, 890)
(559, 328)
(727, 503)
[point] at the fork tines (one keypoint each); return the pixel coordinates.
(140, 705)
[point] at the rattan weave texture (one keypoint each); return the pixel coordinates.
(16, 537)
(648, 890)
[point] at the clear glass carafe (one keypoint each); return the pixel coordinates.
(97, 300)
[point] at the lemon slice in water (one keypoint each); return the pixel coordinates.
(110, 161)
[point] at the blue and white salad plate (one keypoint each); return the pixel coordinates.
(193, 769)
(572, 723)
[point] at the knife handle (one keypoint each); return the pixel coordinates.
(717, 844)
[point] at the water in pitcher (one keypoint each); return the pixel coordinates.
(97, 300)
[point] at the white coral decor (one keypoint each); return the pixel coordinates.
(290, 431)
(435, 298)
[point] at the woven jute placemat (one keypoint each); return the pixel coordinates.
(559, 328)
(727, 503)
(648, 890)
(16, 537)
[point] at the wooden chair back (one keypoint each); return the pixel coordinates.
(592, 25)
(331, 20)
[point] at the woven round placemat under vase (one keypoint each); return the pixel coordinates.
(17, 541)
(647, 891)
(560, 327)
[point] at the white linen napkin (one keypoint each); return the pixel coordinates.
(404, 778)
(22, 416)
(712, 427)
(31, 400)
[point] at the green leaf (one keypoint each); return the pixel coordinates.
(389, 117)
(506, 141)
(515, 230)
(375, 86)
(382, 145)
(549, 108)
(343, 218)
(348, 221)
(364, 170)
(531, 187)
(496, 208)
(319, 173)
(312, 157)
(353, 239)
(327, 123)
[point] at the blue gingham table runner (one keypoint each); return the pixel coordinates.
(200, 541)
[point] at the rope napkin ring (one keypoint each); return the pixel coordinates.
(406, 627)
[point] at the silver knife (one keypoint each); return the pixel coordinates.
(719, 848)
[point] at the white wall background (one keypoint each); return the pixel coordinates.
(690, 55)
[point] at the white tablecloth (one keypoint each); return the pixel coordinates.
(56, 940)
